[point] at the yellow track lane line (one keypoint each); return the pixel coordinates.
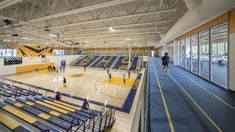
(196, 104)
(164, 102)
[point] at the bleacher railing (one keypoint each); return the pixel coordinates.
(104, 121)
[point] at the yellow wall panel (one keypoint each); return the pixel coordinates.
(216, 21)
(228, 16)
(27, 68)
(232, 21)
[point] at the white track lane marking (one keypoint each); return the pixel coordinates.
(230, 106)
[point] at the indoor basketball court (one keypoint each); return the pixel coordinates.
(117, 65)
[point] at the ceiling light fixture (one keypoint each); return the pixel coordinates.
(7, 40)
(26, 38)
(111, 29)
(52, 35)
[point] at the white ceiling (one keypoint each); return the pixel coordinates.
(87, 23)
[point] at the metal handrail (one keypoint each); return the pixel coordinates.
(35, 91)
(82, 124)
(100, 118)
(110, 117)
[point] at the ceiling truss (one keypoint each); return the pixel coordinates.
(53, 22)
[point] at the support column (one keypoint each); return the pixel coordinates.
(175, 54)
(129, 55)
(72, 50)
(231, 52)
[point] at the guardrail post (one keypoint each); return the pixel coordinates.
(110, 117)
(15, 94)
(93, 127)
(100, 122)
(84, 126)
(113, 113)
(91, 117)
(106, 117)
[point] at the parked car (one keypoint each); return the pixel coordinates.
(221, 60)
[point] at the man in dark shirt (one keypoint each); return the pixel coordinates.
(84, 67)
(57, 96)
(64, 81)
(110, 77)
(124, 78)
(85, 104)
(108, 70)
(165, 62)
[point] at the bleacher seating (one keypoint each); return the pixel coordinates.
(27, 118)
(87, 60)
(12, 124)
(30, 107)
(54, 120)
(81, 59)
(113, 62)
(8, 90)
(46, 110)
(97, 61)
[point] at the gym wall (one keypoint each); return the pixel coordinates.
(35, 63)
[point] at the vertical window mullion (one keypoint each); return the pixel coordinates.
(190, 45)
(198, 54)
(210, 55)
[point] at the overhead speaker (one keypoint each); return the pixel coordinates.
(15, 35)
(46, 28)
(8, 22)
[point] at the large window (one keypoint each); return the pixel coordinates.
(169, 49)
(183, 53)
(188, 53)
(58, 52)
(204, 54)
(178, 53)
(194, 60)
(14, 52)
(8, 52)
(219, 54)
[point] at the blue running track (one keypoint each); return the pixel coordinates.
(183, 102)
